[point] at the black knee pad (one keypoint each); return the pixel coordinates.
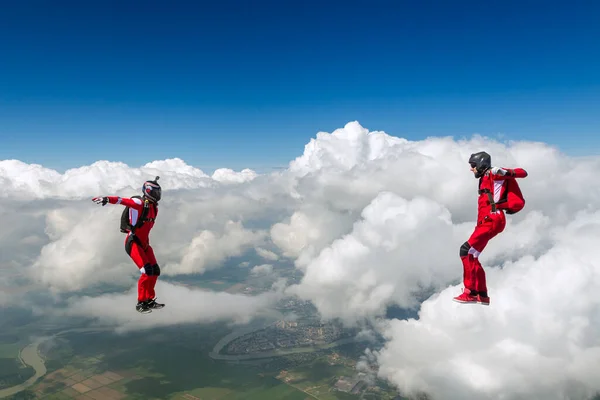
(149, 268)
(128, 245)
(464, 249)
(156, 270)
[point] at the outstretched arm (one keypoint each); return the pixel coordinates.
(136, 204)
(508, 173)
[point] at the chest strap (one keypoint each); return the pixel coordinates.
(491, 198)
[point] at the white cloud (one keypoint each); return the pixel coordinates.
(266, 254)
(80, 253)
(226, 175)
(208, 250)
(308, 231)
(182, 305)
(537, 339)
(370, 220)
(263, 269)
(22, 233)
(21, 180)
(397, 248)
(343, 149)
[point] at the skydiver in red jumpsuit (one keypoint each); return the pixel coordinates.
(143, 211)
(494, 200)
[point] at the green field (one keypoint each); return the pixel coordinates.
(318, 377)
(174, 364)
(10, 350)
(162, 363)
(159, 364)
(12, 372)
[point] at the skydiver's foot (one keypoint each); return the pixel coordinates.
(153, 304)
(143, 307)
(466, 297)
(484, 300)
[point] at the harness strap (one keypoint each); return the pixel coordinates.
(143, 217)
(490, 197)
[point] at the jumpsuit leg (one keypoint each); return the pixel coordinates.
(151, 279)
(474, 274)
(139, 257)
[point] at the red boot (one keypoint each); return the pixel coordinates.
(466, 297)
(484, 300)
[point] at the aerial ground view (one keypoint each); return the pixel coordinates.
(285, 358)
(274, 200)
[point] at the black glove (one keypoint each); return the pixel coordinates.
(100, 200)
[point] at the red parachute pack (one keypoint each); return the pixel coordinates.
(513, 197)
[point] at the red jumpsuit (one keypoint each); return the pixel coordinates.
(138, 246)
(489, 224)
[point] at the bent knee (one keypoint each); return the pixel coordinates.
(464, 249)
(152, 269)
(149, 269)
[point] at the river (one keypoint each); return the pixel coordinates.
(30, 355)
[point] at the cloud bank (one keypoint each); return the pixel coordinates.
(182, 305)
(540, 338)
(370, 220)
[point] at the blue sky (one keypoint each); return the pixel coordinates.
(247, 84)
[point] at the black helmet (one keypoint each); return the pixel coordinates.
(152, 190)
(481, 161)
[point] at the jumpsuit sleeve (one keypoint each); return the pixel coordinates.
(519, 173)
(509, 173)
(126, 201)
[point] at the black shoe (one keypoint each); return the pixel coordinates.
(153, 304)
(143, 307)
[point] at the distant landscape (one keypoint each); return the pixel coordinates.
(82, 362)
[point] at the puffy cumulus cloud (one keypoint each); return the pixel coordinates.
(346, 169)
(539, 338)
(79, 253)
(309, 230)
(21, 238)
(267, 254)
(371, 221)
(18, 178)
(22, 233)
(67, 243)
(182, 305)
(21, 180)
(398, 251)
(344, 149)
(263, 269)
(398, 248)
(226, 175)
(208, 250)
